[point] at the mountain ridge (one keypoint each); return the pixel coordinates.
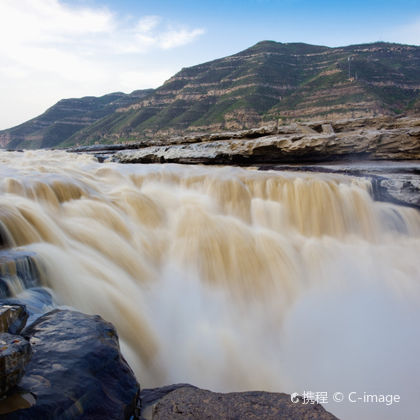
(64, 118)
(269, 81)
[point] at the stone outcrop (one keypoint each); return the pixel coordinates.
(181, 402)
(398, 188)
(12, 318)
(37, 301)
(76, 370)
(15, 353)
(375, 139)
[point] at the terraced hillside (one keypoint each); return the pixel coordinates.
(267, 82)
(65, 118)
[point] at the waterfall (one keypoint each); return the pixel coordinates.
(228, 278)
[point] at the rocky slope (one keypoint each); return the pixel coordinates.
(65, 118)
(269, 81)
(266, 82)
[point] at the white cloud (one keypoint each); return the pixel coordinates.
(52, 50)
(147, 23)
(176, 38)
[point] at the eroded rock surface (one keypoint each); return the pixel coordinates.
(15, 353)
(185, 402)
(375, 139)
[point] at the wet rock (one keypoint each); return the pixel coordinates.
(19, 270)
(397, 188)
(16, 400)
(187, 402)
(76, 370)
(12, 318)
(36, 300)
(15, 353)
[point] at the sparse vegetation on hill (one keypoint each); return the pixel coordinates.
(266, 82)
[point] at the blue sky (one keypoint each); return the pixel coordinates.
(53, 49)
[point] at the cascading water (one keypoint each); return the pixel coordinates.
(227, 278)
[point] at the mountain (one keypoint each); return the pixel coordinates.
(267, 82)
(65, 118)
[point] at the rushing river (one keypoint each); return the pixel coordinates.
(229, 278)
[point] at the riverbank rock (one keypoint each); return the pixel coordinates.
(318, 141)
(15, 353)
(36, 300)
(12, 318)
(395, 144)
(185, 402)
(76, 370)
(398, 188)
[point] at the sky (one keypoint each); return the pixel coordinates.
(54, 49)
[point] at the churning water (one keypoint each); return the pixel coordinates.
(229, 278)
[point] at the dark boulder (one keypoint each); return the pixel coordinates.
(15, 353)
(184, 402)
(12, 318)
(76, 370)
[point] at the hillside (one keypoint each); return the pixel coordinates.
(65, 118)
(266, 82)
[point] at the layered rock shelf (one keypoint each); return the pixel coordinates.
(382, 138)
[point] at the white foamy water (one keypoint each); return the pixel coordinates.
(227, 278)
